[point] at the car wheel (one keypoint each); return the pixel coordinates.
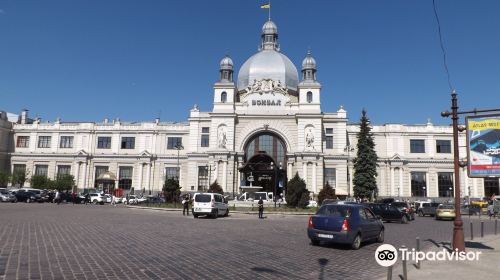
(380, 237)
(314, 242)
(195, 216)
(28, 200)
(95, 201)
(227, 212)
(404, 220)
(356, 243)
(216, 214)
(420, 214)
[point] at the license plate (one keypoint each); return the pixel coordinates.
(325, 235)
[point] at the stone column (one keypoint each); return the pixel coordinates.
(216, 170)
(77, 174)
(392, 180)
(141, 171)
(289, 171)
(427, 184)
(85, 175)
(304, 171)
(224, 176)
(401, 186)
(314, 185)
(148, 176)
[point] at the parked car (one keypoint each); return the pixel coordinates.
(6, 196)
(470, 210)
(406, 208)
(428, 209)
(154, 200)
(27, 196)
(388, 212)
(445, 211)
(346, 224)
(97, 198)
(312, 203)
(210, 204)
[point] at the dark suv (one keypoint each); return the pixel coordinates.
(388, 212)
(27, 196)
(406, 208)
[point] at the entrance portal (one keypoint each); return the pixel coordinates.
(265, 163)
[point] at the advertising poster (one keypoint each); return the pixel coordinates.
(483, 145)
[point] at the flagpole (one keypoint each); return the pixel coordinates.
(269, 10)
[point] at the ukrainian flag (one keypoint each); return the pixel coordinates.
(266, 6)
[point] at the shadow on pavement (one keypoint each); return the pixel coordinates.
(477, 245)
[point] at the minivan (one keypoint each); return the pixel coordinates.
(209, 204)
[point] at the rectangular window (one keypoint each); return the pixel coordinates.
(329, 138)
(63, 170)
(417, 146)
(445, 184)
(104, 142)
(44, 141)
(41, 170)
(172, 173)
(202, 178)
(418, 184)
(174, 142)
(125, 177)
(330, 177)
(128, 143)
(443, 146)
(19, 168)
(66, 142)
(205, 136)
(23, 141)
(98, 171)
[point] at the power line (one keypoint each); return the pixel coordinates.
(443, 50)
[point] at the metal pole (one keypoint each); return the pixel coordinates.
(405, 272)
(418, 250)
(482, 229)
(471, 231)
(389, 273)
(458, 231)
(496, 226)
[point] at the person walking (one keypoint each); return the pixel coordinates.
(261, 208)
(491, 210)
(73, 197)
(185, 205)
(57, 198)
(87, 198)
(113, 200)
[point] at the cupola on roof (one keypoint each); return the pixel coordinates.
(268, 62)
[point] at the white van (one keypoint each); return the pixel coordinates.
(210, 204)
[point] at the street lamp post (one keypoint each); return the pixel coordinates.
(178, 147)
(348, 149)
(209, 169)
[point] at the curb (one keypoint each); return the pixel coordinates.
(233, 211)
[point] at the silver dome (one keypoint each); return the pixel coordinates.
(309, 62)
(226, 63)
(269, 28)
(268, 64)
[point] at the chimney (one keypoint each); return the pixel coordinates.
(24, 116)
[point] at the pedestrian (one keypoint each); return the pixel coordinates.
(57, 199)
(87, 198)
(261, 208)
(491, 210)
(185, 205)
(113, 200)
(73, 197)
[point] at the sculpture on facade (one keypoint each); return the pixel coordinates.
(221, 137)
(309, 138)
(266, 86)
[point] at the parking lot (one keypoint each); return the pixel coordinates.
(48, 241)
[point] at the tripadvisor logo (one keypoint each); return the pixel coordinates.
(387, 255)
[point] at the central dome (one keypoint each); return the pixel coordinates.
(268, 63)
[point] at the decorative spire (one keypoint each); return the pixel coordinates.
(269, 36)
(309, 67)
(226, 69)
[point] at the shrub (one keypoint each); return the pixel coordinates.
(64, 182)
(215, 188)
(296, 188)
(326, 193)
(171, 190)
(40, 182)
(4, 179)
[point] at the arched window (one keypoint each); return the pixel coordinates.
(268, 142)
(309, 97)
(223, 97)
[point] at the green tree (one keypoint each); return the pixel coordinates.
(171, 190)
(18, 177)
(326, 193)
(64, 182)
(365, 163)
(215, 188)
(296, 191)
(4, 179)
(40, 182)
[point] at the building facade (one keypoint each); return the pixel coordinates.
(265, 127)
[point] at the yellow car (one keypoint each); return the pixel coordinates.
(482, 204)
(445, 211)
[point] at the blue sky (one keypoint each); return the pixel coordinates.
(85, 60)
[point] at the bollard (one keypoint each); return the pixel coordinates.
(418, 250)
(405, 272)
(496, 226)
(471, 232)
(482, 229)
(389, 273)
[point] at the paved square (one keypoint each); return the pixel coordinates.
(47, 241)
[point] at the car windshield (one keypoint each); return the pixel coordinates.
(334, 211)
(426, 205)
(3, 192)
(400, 204)
(446, 207)
(203, 198)
(434, 204)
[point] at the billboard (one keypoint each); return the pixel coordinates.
(483, 145)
